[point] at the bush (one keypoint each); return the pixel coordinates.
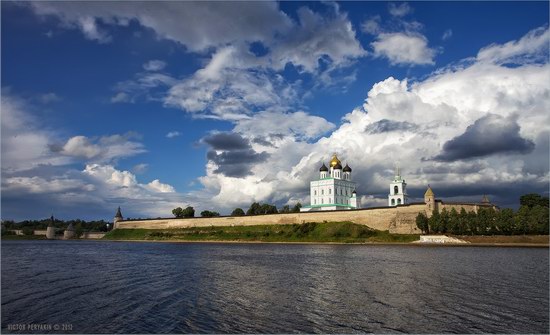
(27, 231)
(7, 232)
(160, 234)
(237, 212)
(209, 214)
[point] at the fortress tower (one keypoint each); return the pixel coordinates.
(429, 199)
(118, 217)
(50, 231)
(334, 189)
(69, 233)
(398, 190)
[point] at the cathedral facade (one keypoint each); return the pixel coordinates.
(334, 189)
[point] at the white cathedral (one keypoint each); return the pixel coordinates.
(334, 189)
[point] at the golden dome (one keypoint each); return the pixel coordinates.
(335, 161)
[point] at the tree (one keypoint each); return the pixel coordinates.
(27, 231)
(454, 224)
(254, 209)
(178, 212)
(285, 209)
(209, 214)
(422, 223)
(188, 212)
(268, 209)
(434, 222)
(78, 230)
(539, 217)
(296, 208)
(237, 212)
(532, 199)
(505, 221)
(444, 221)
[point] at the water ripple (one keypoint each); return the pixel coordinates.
(106, 287)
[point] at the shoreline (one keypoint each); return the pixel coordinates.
(517, 245)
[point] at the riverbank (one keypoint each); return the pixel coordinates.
(333, 232)
(309, 233)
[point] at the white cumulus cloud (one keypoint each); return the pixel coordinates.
(404, 48)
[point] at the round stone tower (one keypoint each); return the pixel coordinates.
(69, 232)
(50, 231)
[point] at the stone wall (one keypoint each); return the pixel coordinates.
(398, 220)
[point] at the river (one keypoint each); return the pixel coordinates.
(136, 287)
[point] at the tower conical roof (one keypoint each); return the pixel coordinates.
(485, 200)
(429, 192)
(50, 224)
(347, 168)
(323, 168)
(118, 213)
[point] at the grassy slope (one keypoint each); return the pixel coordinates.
(309, 232)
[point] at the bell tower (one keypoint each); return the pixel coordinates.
(398, 190)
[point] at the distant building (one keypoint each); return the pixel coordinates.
(398, 190)
(334, 189)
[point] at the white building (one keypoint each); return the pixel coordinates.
(334, 189)
(398, 190)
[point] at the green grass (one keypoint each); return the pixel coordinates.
(345, 232)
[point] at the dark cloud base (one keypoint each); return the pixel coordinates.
(489, 135)
(236, 158)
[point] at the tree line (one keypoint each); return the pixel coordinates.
(254, 209)
(29, 226)
(531, 218)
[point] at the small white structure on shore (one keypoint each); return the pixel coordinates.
(439, 239)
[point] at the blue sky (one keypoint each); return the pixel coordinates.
(149, 106)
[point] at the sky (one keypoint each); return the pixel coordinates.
(155, 105)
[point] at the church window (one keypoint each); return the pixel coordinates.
(329, 191)
(393, 202)
(395, 190)
(399, 201)
(322, 192)
(315, 192)
(315, 202)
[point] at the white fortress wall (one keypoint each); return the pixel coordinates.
(399, 220)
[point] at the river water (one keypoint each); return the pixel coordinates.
(133, 287)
